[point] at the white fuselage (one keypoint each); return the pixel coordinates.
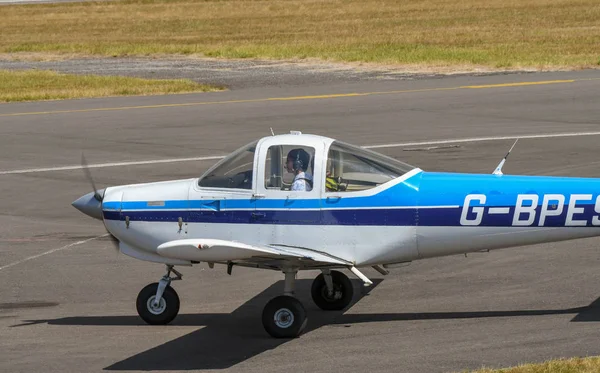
(405, 220)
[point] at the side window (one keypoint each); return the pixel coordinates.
(234, 172)
(351, 169)
(289, 167)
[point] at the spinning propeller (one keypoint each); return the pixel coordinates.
(91, 203)
(88, 174)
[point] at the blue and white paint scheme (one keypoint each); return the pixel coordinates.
(381, 212)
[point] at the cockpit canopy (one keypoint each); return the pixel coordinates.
(341, 167)
(234, 171)
(355, 168)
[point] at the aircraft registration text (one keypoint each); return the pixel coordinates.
(553, 210)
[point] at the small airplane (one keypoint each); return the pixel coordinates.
(305, 202)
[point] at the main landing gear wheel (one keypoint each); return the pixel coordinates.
(161, 312)
(335, 299)
(284, 317)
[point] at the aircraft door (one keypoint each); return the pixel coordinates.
(287, 193)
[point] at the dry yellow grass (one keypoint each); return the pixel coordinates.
(574, 365)
(495, 33)
(32, 85)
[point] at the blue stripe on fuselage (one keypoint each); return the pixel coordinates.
(442, 217)
(404, 217)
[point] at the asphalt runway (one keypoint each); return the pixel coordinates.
(68, 300)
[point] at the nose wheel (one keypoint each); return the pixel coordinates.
(159, 312)
(158, 303)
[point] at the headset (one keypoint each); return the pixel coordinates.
(298, 162)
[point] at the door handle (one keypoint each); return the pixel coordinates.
(258, 215)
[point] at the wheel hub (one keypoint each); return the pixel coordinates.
(284, 318)
(158, 308)
(335, 295)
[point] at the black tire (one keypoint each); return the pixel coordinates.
(284, 317)
(167, 310)
(342, 292)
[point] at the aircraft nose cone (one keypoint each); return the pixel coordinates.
(89, 205)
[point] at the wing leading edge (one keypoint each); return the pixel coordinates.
(223, 251)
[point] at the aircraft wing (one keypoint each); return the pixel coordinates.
(223, 251)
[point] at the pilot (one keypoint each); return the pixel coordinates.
(297, 163)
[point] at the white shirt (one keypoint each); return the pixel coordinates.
(300, 184)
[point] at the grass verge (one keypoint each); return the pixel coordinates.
(33, 85)
(574, 365)
(495, 33)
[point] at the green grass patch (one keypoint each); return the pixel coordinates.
(493, 33)
(574, 365)
(34, 85)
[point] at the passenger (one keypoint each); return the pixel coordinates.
(331, 184)
(297, 163)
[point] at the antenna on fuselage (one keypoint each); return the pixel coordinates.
(498, 170)
(272, 133)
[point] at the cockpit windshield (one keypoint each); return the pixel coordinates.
(234, 171)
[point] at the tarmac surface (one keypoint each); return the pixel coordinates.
(68, 300)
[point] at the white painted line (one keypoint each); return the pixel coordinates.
(116, 164)
(394, 145)
(383, 208)
(499, 210)
(436, 207)
(52, 251)
(479, 139)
